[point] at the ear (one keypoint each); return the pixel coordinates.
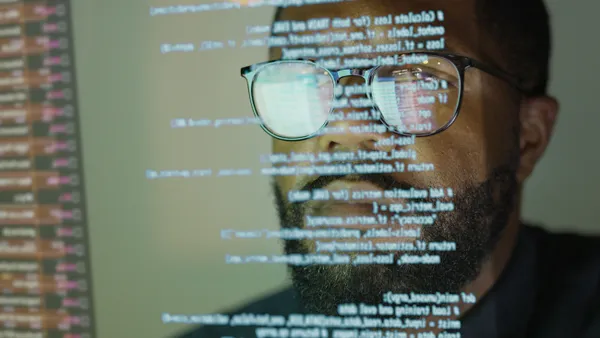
(537, 117)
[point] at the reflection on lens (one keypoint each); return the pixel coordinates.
(419, 98)
(293, 98)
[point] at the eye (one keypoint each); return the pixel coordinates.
(425, 75)
(446, 80)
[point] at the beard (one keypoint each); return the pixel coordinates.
(480, 215)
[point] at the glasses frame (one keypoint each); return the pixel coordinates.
(461, 62)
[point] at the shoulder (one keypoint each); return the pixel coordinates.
(570, 282)
(281, 302)
(569, 258)
(563, 247)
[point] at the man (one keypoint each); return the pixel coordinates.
(476, 142)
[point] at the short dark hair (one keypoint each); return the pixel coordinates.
(522, 29)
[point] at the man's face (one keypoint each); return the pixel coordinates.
(477, 158)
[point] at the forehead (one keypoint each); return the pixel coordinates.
(363, 7)
(460, 23)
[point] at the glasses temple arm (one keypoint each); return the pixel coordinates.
(509, 78)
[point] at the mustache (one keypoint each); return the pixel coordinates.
(382, 181)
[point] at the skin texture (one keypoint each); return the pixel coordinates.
(485, 157)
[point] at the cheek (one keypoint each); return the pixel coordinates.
(457, 157)
(286, 183)
(471, 148)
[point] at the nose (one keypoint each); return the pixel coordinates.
(351, 133)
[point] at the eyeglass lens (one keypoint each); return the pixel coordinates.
(294, 99)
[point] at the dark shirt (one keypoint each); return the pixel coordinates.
(549, 288)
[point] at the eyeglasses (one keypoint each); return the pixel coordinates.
(419, 95)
